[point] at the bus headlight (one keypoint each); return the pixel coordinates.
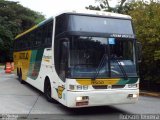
(82, 98)
(78, 87)
(132, 96)
(135, 95)
(133, 85)
(79, 99)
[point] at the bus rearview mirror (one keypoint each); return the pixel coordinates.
(139, 52)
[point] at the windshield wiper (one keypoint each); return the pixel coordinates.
(121, 67)
(100, 66)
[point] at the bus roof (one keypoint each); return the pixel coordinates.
(85, 12)
(96, 13)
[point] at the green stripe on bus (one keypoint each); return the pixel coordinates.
(123, 81)
(35, 63)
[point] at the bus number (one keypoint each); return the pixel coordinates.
(97, 82)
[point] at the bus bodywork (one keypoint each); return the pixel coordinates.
(81, 59)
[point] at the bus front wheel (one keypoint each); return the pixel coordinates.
(47, 90)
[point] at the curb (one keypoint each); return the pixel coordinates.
(151, 94)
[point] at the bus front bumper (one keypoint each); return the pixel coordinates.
(101, 98)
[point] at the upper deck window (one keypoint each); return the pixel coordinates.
(102, 26)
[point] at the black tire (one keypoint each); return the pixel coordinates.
(17, 72)
(47, 91)
(20, 77)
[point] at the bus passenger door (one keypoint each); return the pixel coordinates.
(63, 66)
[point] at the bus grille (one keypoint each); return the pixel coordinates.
(106, 87)
(100, 86)
(117, 86)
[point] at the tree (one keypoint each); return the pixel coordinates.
(105, 6)
(14, 18)
(146, 18)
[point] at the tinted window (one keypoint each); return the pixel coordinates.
(67, 24)
(39, 38)
(100, 25)
(48, 34)
(94, 57)
(61, 24)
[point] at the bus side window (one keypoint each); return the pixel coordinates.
(24, 42)
(37, 39)
(32, 37)
(43, 36)
(15, 45)
(48, 34)
(21, 44)
(29, 41)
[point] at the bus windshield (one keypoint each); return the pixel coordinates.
(109, 57)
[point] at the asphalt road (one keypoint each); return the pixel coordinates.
(25, 102)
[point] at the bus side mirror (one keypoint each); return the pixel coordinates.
(139, 52)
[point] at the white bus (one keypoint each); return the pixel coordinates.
(80, 58)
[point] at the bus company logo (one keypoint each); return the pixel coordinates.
(60, 90)
(47, 58)
(23, 56)
(122, 36)
(97, 82)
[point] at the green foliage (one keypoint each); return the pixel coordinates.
(157, 55)
(14, 18)
(146, 19)
(105, 6)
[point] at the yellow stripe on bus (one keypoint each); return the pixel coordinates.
(98, 81)
(26, 31)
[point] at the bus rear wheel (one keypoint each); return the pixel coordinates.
(18, 72)
(20, 77)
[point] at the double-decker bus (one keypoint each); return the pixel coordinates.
(80, 58)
